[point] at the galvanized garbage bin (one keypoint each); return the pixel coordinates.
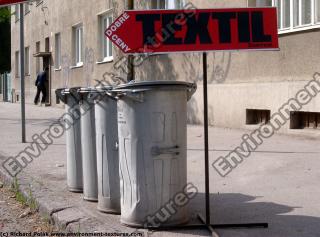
(152, 127)
(73, 134)
(88, 144)
(107, 152)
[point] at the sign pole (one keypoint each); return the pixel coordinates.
(131, 74)
(206, 136)
(22, 60)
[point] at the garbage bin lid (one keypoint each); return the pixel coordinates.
(154, 85)
(94, 89)
(67, 90)
(104, 88)
(63, 93)
(84, 90)
(62, 90)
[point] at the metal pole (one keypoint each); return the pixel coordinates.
(23, 117)
(206, 137)
(131, 73)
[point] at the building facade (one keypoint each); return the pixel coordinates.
(245, 88)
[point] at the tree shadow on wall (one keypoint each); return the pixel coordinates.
(218, 67)
(195, 112)
(156, 67)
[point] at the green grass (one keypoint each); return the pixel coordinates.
(22, 199)
(31, 201)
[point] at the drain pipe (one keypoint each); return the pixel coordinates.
(131, 74)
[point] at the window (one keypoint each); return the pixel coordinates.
(105, 43)
(302, 12)
(263, 3)
(57, 62)
(27, 61)
(47, 44)
(294, 15)
(78, 45)
(17, 63)
(283, 10)
(167, 4)
(37, 59)
(317, 10)
(17, 12)
(1, 82)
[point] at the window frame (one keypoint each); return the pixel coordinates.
(317, 12)
(17, 63)
(104, 42)
(37, 50)
(78, 45)
(27, 61)
(57, 53)
(1, 84)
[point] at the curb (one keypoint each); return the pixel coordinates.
(65, 217)
(42, 209)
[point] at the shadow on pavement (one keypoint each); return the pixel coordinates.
(231, 208)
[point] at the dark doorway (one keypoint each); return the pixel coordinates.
(46, 57)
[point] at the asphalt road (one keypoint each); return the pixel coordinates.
(278, 183)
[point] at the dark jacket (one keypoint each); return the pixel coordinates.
(41, 79)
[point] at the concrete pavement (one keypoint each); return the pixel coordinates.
(278, 184)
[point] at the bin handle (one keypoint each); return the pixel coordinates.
(61, 96)
(157, 151)
(111, 95)
(131, 94)
(74, 93)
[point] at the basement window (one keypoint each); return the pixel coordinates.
(304, 120)
(257, 116)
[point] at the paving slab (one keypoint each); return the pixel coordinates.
(278, 184)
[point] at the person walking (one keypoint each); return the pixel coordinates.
(41, 87)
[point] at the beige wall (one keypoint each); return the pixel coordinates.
(60, 16)
(238, 80)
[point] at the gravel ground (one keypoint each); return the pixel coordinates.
(17, 217)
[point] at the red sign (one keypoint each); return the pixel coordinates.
(11, 2)
(163, 31)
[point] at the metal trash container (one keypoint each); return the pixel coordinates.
(152, 127)
(73, 134)
(107, 152)
(88, 144)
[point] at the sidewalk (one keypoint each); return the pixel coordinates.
(278, 184)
